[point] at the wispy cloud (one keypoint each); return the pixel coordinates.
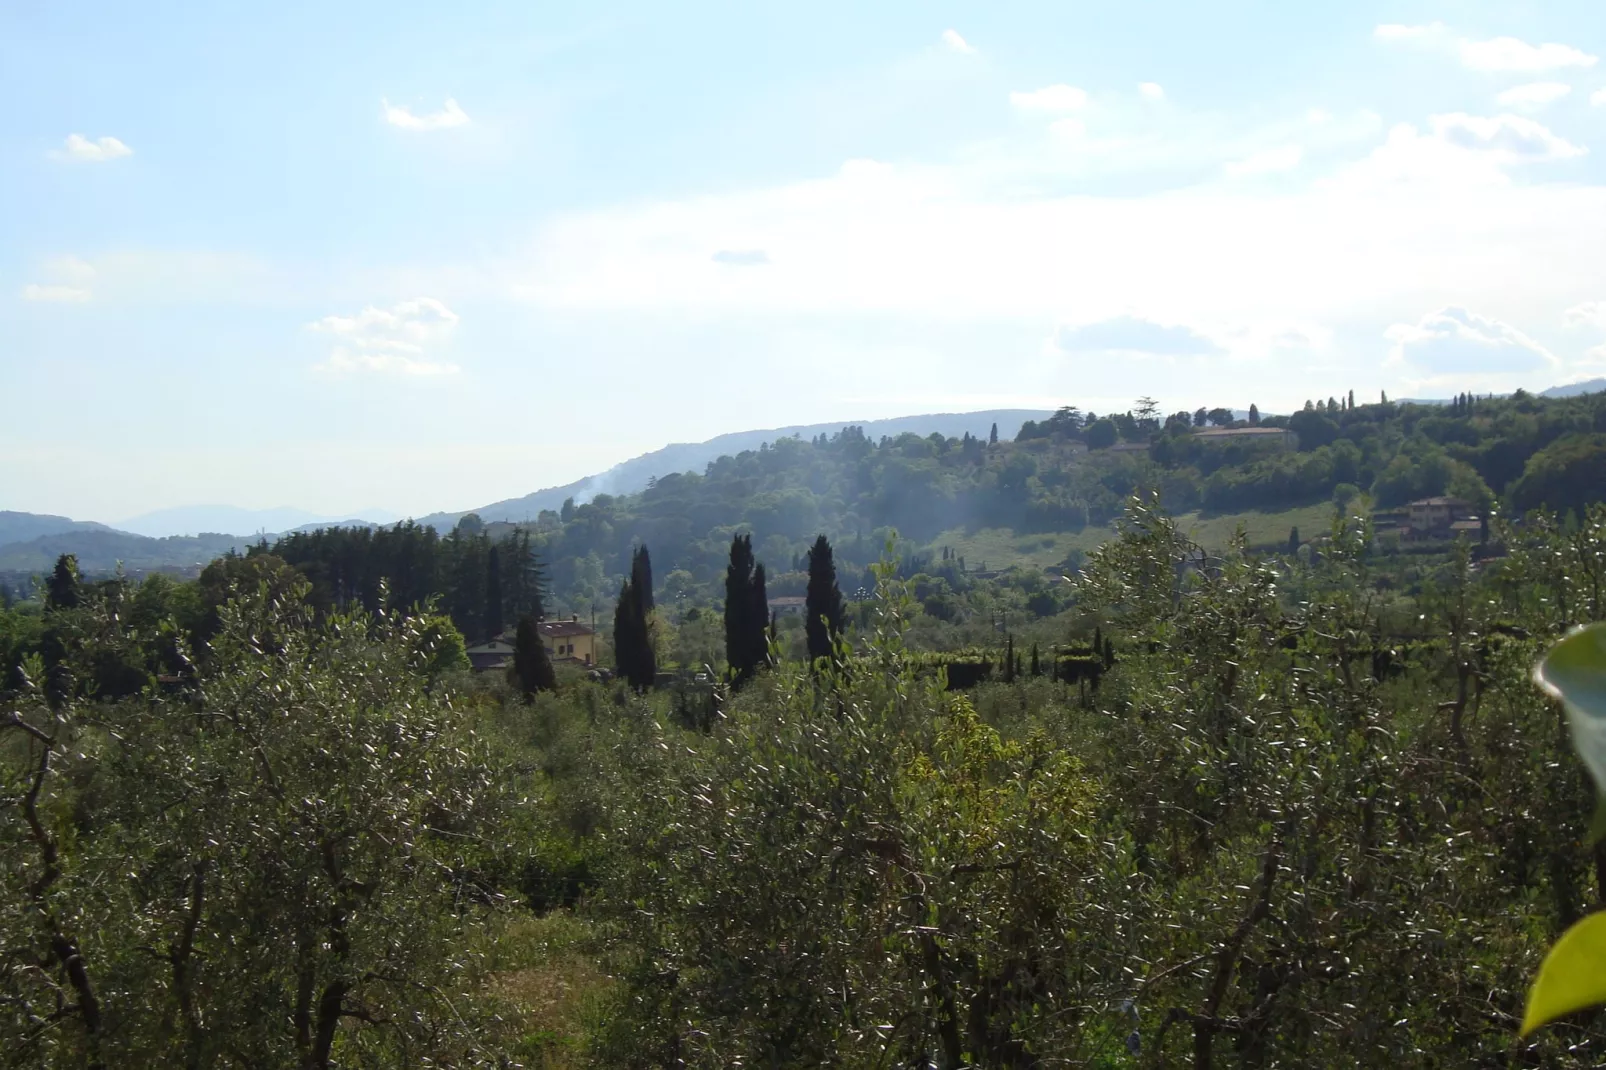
(80, 149)
(1151, 91)
(1050, 98)
(952, 39)
(1598, 98)
(1533, 94)
(395, 340)
(51, 292)
(1495, 55)
(449, 116)
(1509, 135)
(1453, 342)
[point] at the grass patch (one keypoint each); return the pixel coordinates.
(544, 970)
(1000, 548)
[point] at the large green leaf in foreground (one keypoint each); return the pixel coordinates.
(1575, 672)
(1573, 975)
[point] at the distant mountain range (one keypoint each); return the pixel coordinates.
(196, 519)
(188, 537)
(631, 476)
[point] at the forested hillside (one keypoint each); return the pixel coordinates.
(1069, 473)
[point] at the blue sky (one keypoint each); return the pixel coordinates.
(413, 257)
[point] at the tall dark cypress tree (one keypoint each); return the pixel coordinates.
(823, 603)
(641, 577)
(62, 590)
(992, 437)
(632, 638)
(1037, 666)
(493, 593)
(746, 610)
(532, 669)
(1254, 415)
(758, 637)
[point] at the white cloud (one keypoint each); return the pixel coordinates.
(54, 293)
(1455, 343)
(1151, 91)
(70, 278)
(1267, 161)
(1498, 54)
(449, 116)
(1511, 54)
(1051, 98)
(952, 39)
(1590, 313)
(343, 362)
(393, 340)
(1598, 98)
(1509, 136)
(1135, 335)
(1533, 94)
(80, 148)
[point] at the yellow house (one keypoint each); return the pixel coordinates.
(569, 639)
(565, 640)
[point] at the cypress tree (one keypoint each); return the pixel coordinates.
(641, 577)
(1254, 415)
(62, 589)
(532, 669)
(632, 638)
(992, 437)
(758, 637)
(6, 598)
(1352, 399)
(823, 604)
(747, 611)
(1009, 659)
(493, 593)
(1293, 540)
(1109, 653)
(1037, 668)
(738, 604)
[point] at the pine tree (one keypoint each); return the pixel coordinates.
(823, 604)
(62, 589)
(1254, 415)
(532, 669)
(493, 593)
(641, 576)
(992, 438)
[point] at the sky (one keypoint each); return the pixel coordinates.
(420, 257)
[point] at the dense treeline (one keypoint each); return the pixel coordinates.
(1062, 474)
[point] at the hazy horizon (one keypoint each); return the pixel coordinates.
(423, 258)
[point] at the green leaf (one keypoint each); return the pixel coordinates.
(1572, 977)
(1575, 672)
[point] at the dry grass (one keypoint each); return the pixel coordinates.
(553, 991)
